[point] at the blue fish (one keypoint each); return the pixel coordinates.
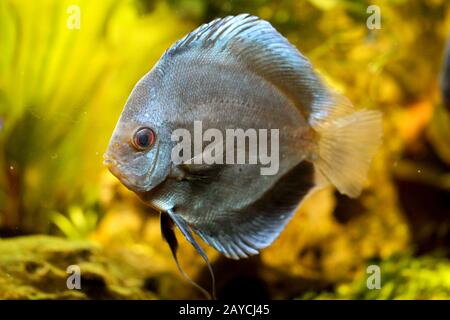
(238, 72)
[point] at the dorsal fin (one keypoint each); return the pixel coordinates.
(256, 45)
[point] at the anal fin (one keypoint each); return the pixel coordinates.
(239, 234)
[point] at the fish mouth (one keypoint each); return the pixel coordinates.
(115, 167)
(109, 162)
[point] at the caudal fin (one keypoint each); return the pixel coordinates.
(346, 147)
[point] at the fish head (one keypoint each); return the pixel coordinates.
(138, 153)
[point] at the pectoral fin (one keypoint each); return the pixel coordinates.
(195, 172)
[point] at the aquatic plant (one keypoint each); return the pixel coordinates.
(62, 87)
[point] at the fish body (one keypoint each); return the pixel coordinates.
(238, 72)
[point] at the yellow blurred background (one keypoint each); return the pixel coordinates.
(66, 69)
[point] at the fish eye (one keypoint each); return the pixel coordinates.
(143, 138)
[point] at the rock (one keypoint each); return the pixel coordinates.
(34, 267)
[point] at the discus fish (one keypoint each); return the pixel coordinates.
(238, 72)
